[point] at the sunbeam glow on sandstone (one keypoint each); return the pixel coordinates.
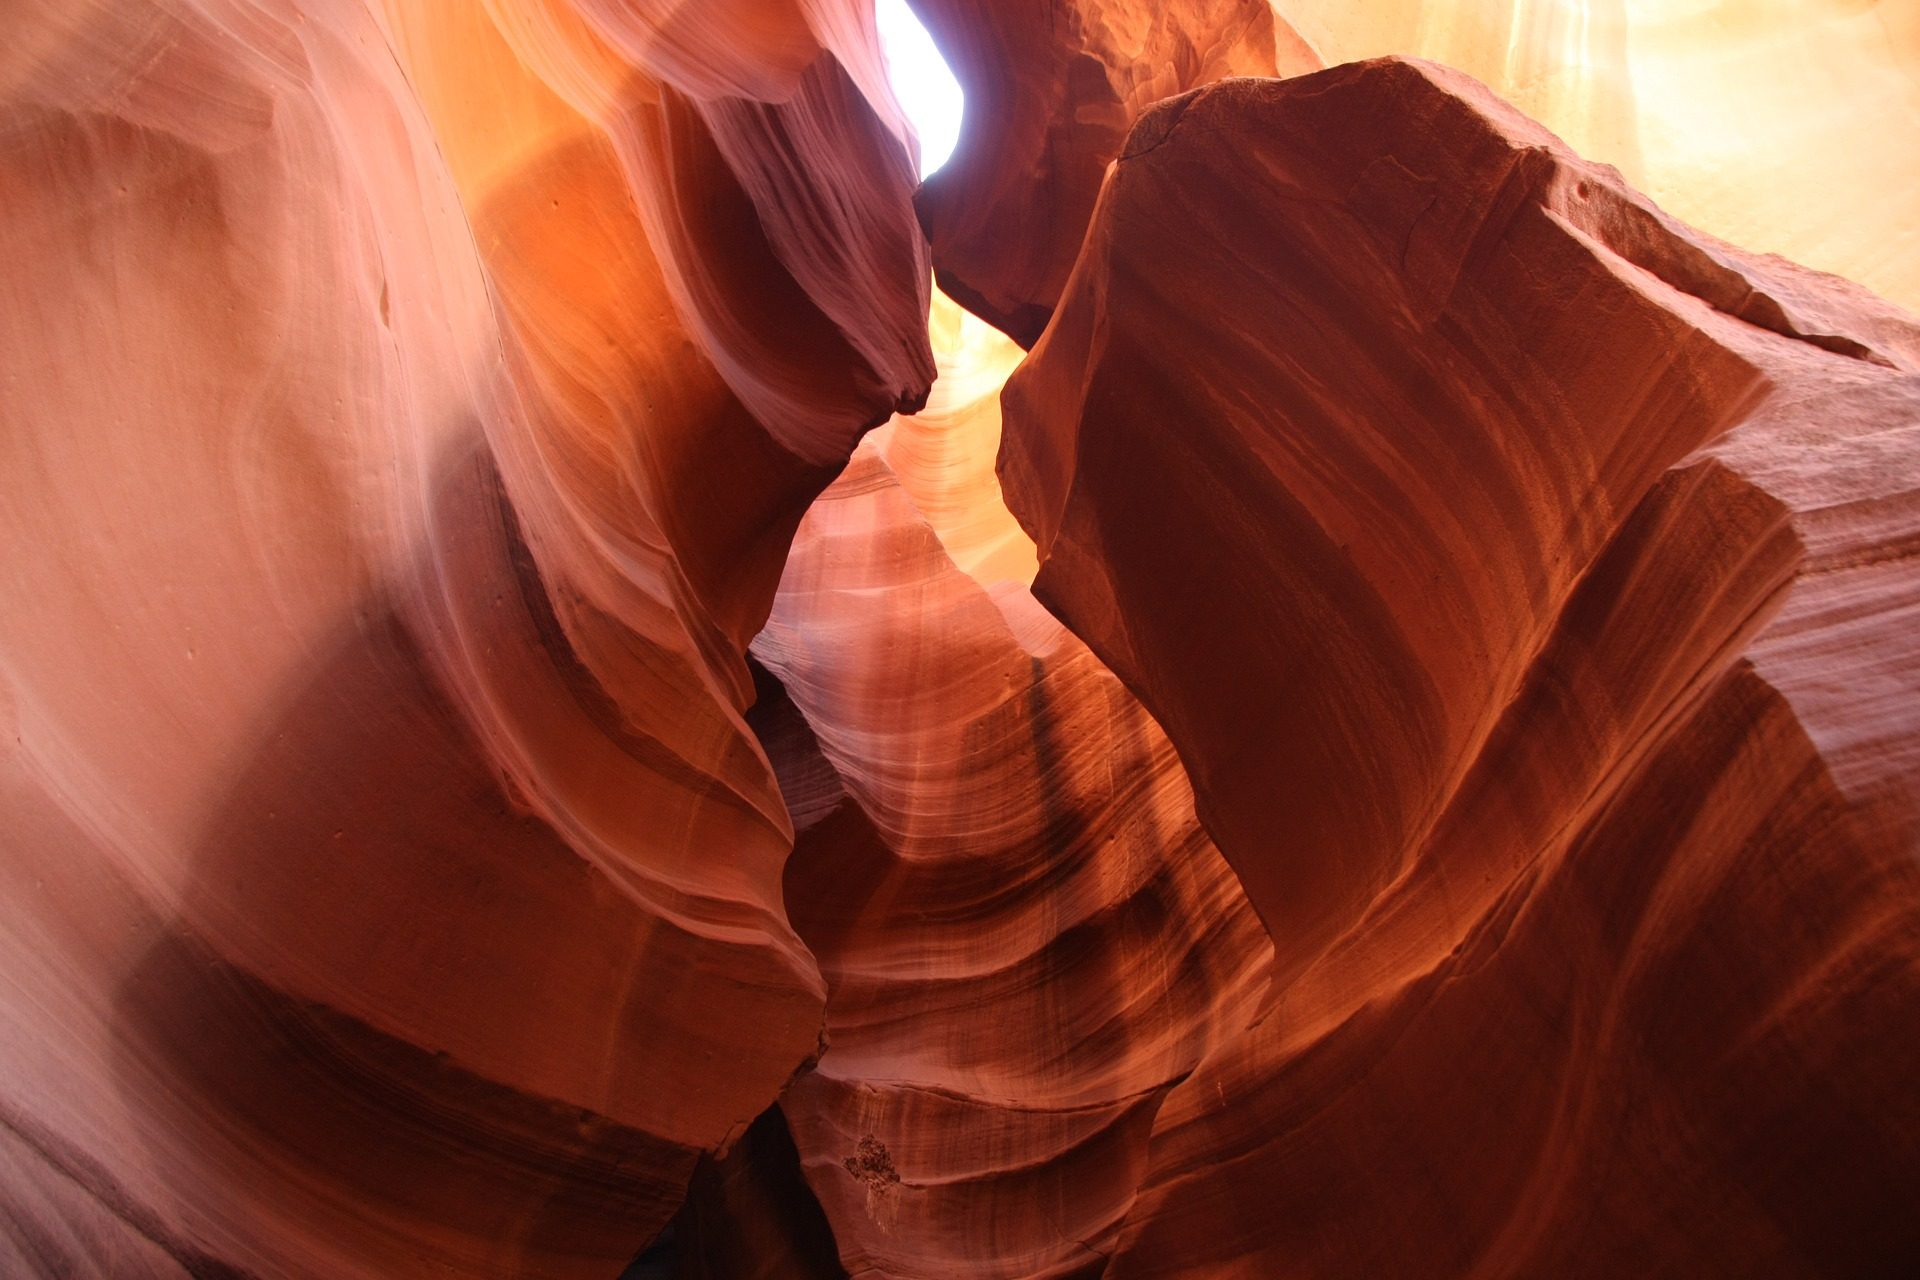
(927, 91)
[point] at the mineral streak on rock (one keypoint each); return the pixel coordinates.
(1531, 533)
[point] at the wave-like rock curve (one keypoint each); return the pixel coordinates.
(527, 748)
(1533, 534)
(1027, 938)
(395, 492)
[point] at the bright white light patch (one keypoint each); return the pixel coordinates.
(927, 91)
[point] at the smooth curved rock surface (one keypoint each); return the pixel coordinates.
(396, 885)
(943, 456)
(1553, 701)
(482, 799)
(1787, 126)
(1027, 938)
(775, 190)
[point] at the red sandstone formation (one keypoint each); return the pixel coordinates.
(1026, 937)
(1052, 88)
(413, 412)
(394, 884)
(1532, 534)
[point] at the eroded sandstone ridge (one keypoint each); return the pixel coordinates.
(1492, 547)
(406, 415)
(1027, 938)
(530, 740)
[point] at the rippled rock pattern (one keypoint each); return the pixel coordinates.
(1531, 532)
(1027, 938)
(396, 477)
(531, 743)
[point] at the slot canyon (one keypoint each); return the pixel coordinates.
(1303, 662)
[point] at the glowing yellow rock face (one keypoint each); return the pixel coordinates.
(944, 455)
(1787, 126)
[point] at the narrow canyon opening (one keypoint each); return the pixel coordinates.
(922, 82)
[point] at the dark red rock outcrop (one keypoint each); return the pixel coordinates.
(1052, 88)
(749, 1215)
(1525, 580)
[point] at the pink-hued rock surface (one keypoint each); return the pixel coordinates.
(533, 744)
(393, 884)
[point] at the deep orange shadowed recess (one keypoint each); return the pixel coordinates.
(1293, 667)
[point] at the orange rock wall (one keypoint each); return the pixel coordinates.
(1531, 531)
(1026, 936)
(395, 490)
(526, 741)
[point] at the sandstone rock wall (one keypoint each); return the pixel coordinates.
(1517, 705)
(526, 744)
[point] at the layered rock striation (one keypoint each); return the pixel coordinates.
(1532, 533)
(527, 745)
(397, 473)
